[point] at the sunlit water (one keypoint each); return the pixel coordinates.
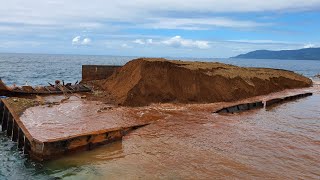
(279, 143)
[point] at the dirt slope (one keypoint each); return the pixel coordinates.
(144, 81)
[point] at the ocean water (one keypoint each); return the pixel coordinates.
(39, 69)
(282, 143)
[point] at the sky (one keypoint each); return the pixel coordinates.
(166, 28)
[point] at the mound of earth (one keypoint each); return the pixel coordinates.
(152, 80)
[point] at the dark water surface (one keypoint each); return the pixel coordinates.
(279, 143)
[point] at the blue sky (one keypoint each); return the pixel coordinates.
(178, 28)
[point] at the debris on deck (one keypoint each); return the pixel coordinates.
(57, 88)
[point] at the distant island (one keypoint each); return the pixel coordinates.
(300, 54)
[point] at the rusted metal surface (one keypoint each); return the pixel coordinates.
(55, 148)
(275, 101)
(97, 72)
(50, 149)
(14, 128)
(260, 104)
(241, 107)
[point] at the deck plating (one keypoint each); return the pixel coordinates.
(50, 149)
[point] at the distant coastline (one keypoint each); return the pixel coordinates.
(300, 54)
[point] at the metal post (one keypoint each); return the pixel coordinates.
(1, 110)
(15, 131)
(5, 119)
(20, 139)
(9, 124)
(26, 147)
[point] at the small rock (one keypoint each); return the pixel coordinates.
(15, 100)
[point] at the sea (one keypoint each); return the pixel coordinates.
(289, 136)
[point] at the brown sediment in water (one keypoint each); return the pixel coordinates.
(79, 116)
(152, 80)
(187, 141)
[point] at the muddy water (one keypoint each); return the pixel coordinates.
(77, 116)
(188, 142)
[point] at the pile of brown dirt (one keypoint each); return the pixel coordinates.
(144, 81)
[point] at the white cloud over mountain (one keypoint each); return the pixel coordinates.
(309, 45)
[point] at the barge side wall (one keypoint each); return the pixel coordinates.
(97, 72)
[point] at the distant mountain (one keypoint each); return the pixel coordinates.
(301, 54)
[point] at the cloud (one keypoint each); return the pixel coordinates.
(79, 41)
(126, 46)
(139, 41)
(178, 41)
(79, 14)
(76, 40)
(201, 23)
(309, 46)
(218, 6)
(86, 41)
(51, 21)
(236, 47)
(143, 42)
(164, 42)
(149, 41)
(262, 41)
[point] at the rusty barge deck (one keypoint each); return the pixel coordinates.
(41, 149)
